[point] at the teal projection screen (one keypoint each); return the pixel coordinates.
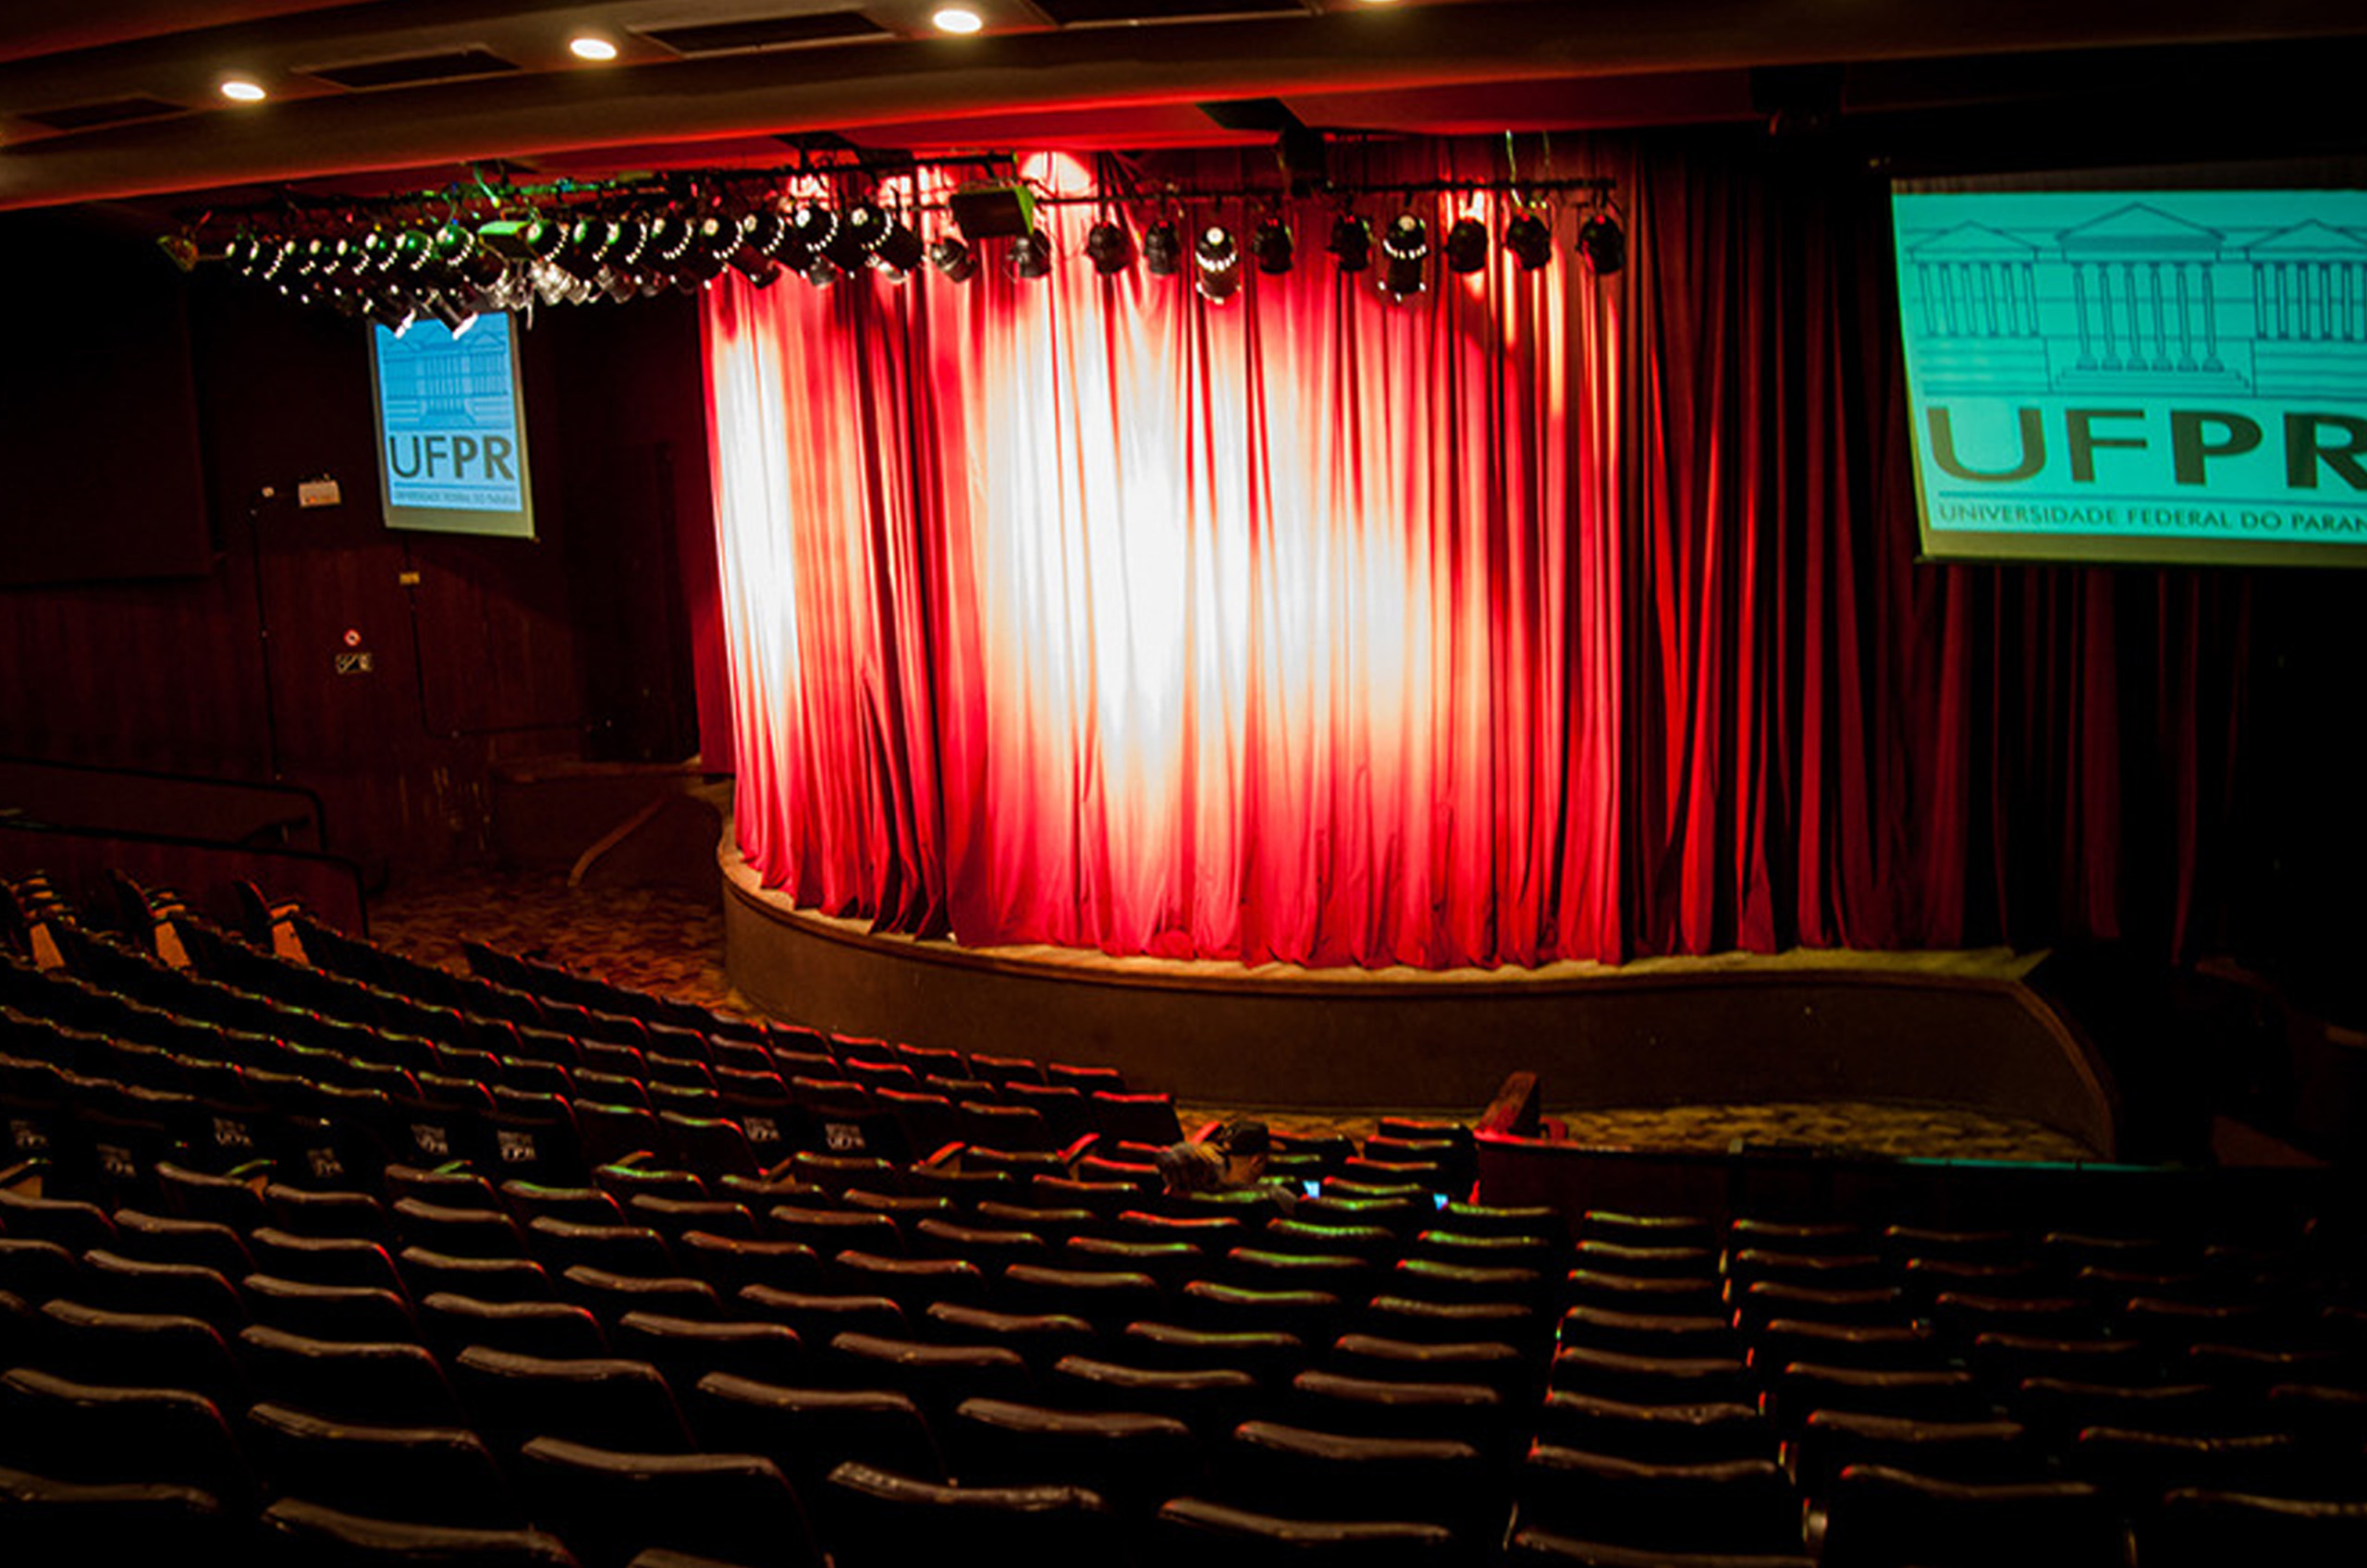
(2136, 375)
(451, 428)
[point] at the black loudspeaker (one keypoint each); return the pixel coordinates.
(984, 211)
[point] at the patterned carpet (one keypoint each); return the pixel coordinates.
(665, 940)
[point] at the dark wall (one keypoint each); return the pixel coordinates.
(573, 644)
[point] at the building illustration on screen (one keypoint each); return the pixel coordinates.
(2139, 298)
(448, 414)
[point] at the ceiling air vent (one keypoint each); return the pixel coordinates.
(113, 111)
(1073, 13)
(766, 32)
(414, 68)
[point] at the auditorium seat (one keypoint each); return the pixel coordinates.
(605, 1400)
(306, 1535)
(453, 1321)
(136, 1350)
(393, 1383)
(180, 1289)
(1877, 1517)
(1668, 1434)
(36, 1269)
(610, 1294)
(94, 1433)
(1988, 1450)
(426, 1272)
(1542, 1549)
(1270, 1355)
(805, 1431)
(1742, 1506)
(323, 1259)
(50, 1523)
(205, 1242)
(2198, 1528)
(1209, 1400)
(1190, 1531)
(1132, 1460)
(1302, 1472)
(1649, 1380)
(876, 1518)
(686, 1349)
(613, 1504)
(418, 1475)
(1311, 1317)
(329, 1312)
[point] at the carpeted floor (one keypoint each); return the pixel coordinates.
(669, 941)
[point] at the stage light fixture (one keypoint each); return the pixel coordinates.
(669, 240)
(1273, 247)
(1216, 265)
(243, 90)
(860, 230)
(1109, 248)
(1351, 242)
(762, 272)
(721, 234)
(1405, 247)
(1031, 255)
(592, 46)
(1162, 251)
(1466, 246)
(812, 227)
(1529, 241)
(956, 19)
(956, 260)
(413, 253)
(901, 249)
(1603, 242)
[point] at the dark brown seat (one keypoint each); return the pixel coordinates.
(1132, 1459)
(1673, 1434)
(1307, 1473)
(605, 1400)
(614, 1504)
(138, 1349)
(874, 1518)
(92, 1433)
(1209, 1400)
(1746, 1506)
(1469, 1412)
(807, 1430)
(49, 1523)
(1830, 1440)
(420, 1474)
(2198, 1528)
(306, 1535)
(1649, 1380)
(1189, 1530)
(687, 1349)
(390, 1383)
(452, 1322)
(1877, 1517)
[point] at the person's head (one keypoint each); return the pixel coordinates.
(1245, 1145)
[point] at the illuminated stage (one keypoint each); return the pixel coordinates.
(1947, 1028)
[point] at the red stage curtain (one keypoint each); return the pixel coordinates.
(1535, 618)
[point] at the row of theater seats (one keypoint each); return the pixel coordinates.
(1394, 1382)
(1096, 1373)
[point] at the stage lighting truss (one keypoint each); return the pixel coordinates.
(454, 254)
(1405, 253)
(1216, 265)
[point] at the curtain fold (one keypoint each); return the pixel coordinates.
(1537, 617)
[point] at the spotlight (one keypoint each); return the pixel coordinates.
(1109, 246)
(1351, 243)
(811, 229)
(591, 46)
(1407, 247)
(719, 234)
(1602, 243)
(900, 250)
(1530, 242)
(413, 253)
(1466, 246)
(669, 240)
(1163, 252)
(1216, 263)
(1272, 247)
(957, 18)
(454, 241)
(240, 89)
(521, 240)
(860, 230)
(1031, 255)
(762, 272)
(955, 260)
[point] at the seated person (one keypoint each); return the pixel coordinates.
(1232, 1158)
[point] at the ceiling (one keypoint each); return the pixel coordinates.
(117, 101)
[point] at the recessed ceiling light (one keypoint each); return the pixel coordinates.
(957, 18)
(239, 89)
(590, 46)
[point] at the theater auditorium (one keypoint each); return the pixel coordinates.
(1364, 782)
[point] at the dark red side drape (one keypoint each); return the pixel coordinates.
(1535, 617)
